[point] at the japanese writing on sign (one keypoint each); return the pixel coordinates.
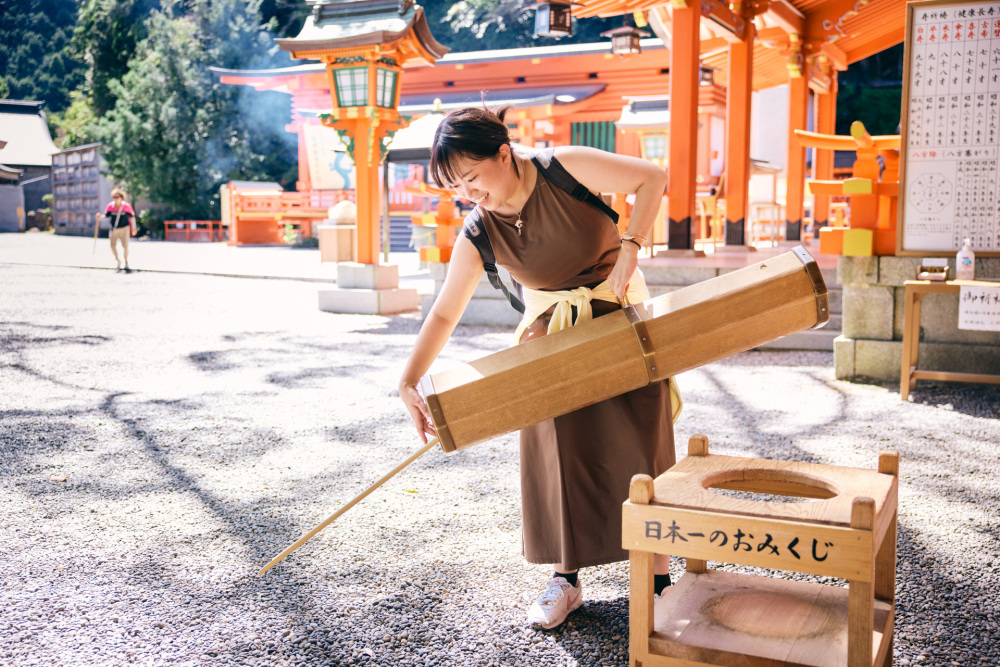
(952, 128)
(979, 308)
(739, 540)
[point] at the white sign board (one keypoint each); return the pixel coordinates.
(951, 128)
(979, 308)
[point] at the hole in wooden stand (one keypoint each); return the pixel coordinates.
(765, 485)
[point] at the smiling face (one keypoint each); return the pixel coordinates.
(489, 183)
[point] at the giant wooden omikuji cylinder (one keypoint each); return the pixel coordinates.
(626, 350)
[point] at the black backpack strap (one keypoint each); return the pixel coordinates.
(554, 172)
(474, 229)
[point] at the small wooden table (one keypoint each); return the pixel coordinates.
(916, 290)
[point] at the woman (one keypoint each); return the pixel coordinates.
(121, 217)
(567, 255)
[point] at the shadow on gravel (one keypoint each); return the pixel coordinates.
(394, 326)
(764, 357)
(16, 338)
(28, 440)
(244, 521)
(974, 400)
(927, 591)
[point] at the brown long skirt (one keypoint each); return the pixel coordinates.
(576, 469)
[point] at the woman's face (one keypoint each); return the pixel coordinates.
(489, 183)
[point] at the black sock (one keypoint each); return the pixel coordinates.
(571, 578)
(660, 582)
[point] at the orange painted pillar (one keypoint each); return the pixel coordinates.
(368, 195)
(798, 105)
(684, 74)
(826, 121)
(304, 181)
(738, 101)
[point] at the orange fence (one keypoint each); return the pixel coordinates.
(194, 230)
(259, 216)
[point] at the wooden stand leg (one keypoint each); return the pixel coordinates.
(861, 595)
(911, 341)
(640, 583)
(697, 446)
(885, 558)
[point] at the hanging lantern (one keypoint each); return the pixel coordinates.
(707, 76)
(625, 40)
(350, 81)
(553, 19)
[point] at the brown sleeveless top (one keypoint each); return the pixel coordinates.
(564, 243)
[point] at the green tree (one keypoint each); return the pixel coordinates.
(36, 58)
(175, 132)
(871, 91)
(106, 35)
(78, 124)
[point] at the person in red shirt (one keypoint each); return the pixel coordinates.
(122, 218)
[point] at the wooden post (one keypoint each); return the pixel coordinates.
(640, 582)
(885, 557)
(697, 446)
(738, 99)
(798, 106)
(684, 74)
(826, 123)
(860, 596)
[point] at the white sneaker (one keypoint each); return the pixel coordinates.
(555, 603)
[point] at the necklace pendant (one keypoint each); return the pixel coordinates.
(518, 225)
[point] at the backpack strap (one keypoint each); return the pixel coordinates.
(474, 229)
(555, 173)
(550, 169)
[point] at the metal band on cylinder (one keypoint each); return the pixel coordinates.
(645, 344)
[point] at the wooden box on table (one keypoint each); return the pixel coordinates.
(711, 617)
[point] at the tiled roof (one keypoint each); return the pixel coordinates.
(22, 126)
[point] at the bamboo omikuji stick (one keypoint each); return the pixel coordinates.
(358, 498)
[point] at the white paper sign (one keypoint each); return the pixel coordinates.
(330, 168)
(979, 308)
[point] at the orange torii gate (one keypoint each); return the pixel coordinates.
(873, 191)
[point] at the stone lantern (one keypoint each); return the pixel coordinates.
(365, 44)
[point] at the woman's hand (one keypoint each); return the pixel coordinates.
(417, 408)
(621, 273)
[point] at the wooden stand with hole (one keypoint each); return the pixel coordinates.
(712, 617)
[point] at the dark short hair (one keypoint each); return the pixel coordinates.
(474, 133)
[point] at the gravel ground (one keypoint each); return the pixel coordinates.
(163, 436)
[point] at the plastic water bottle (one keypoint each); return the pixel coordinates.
(965, 263)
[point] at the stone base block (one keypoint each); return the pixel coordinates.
(881, 359)
(868, 312)
(843, 358)
(488, 312)
(369, 301)
(351, 275)
(864, 358)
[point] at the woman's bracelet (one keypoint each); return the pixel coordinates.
(632, 240)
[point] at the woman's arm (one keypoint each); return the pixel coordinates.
(601, 171)
(464, 273)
